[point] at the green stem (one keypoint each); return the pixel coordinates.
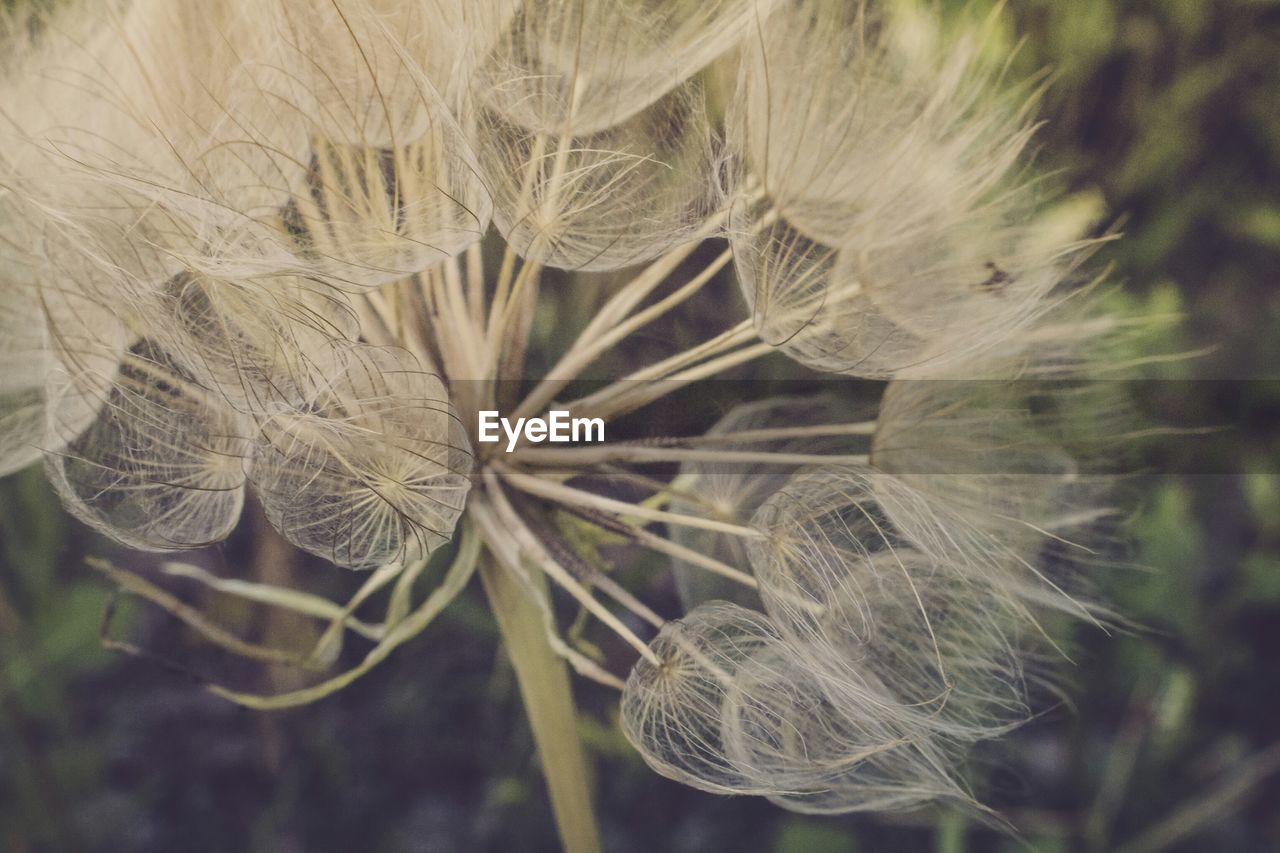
(950, 836)
(548, 701)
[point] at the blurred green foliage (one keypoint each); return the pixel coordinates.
(1171, 110)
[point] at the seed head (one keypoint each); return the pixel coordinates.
(286, 251)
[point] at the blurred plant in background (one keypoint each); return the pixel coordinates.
(461, 799)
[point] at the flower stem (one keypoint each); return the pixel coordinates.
(629, 394)
(595, 455)
(548, 701)
(561, 493)
(574, 362)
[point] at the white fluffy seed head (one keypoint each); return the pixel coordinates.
(831, 747)
(673, 710)
(733, 707)
(979, 447)
(209, 212)
(375, 470)
(259, 344)
(207, 181)
(893, 233)
(733, 491)
(606, 199)
(371, 215)
(58, 356)
(162, 467)
(588, 65)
